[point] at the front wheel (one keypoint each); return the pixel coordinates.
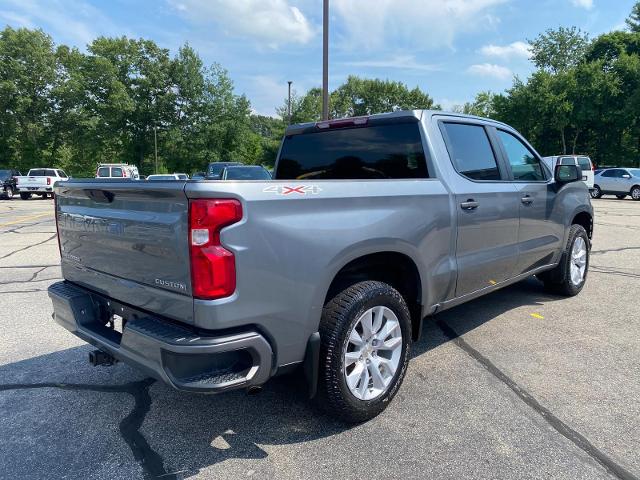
(365, 335)
(596, 192)
(570, 275)
(8, 193)
(25, 196)
(635, 193)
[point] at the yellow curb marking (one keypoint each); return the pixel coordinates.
(537, 315)
(24, 219)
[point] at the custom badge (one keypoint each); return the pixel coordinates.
(293, 190)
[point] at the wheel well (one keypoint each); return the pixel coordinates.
(395, 269)
(635, 186)
(584, 219)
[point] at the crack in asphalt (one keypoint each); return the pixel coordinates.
(151, 462)
(28, 247)
(609, 250)
(562, 428)
(29, 266)
(605, 271)
(33, 278)
(15, 229)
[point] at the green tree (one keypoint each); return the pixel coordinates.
(559, 50)
(633, 20)
(482, 105)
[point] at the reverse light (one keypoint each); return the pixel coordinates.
(213, 267)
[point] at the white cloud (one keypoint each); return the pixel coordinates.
(274, 22)
(74, 21)
(425, 24)
(490, 70)
(506, 52)
(400, 62)
(586, 4)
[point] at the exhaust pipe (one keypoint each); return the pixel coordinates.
(254, 390)
(98, 357)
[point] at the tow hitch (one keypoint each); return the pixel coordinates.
(98, 357)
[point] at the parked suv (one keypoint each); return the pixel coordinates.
(117, 170)
(617, 181)
(214, 169)
(370, 225)
(8, 182)
(582, 161)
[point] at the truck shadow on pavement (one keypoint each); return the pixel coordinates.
(175, 435)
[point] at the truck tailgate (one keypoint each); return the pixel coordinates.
(129, 241)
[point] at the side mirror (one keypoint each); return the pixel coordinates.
(567, 174)
(626, 175)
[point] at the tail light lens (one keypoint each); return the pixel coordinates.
(124, 174)
(48, 180)
(213, 267)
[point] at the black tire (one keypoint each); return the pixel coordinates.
(25, 196)
(596, 192)
(558, 280)
(8, 193)
(339, 316)
(635, 192)
(621, 197)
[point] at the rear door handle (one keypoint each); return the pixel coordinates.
(470, 204)
(527, 200)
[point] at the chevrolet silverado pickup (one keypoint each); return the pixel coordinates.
(370, 225)
(39, 181)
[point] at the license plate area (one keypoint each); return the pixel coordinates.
(110, 319)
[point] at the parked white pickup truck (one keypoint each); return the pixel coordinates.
(39, 181)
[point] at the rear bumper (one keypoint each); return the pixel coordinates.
(175, 354)
(39, 189)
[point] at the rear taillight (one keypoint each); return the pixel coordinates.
(48, 180)
(124, 173)
(213, 267)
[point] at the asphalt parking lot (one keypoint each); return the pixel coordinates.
(518, 384)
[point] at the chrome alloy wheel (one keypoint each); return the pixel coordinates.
(372, 353)
(578, 261)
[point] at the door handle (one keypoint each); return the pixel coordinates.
(527, 200)
(470, 204)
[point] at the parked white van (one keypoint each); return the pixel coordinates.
(583, 161)
(117, 170)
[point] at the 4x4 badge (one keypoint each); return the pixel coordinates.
(293, 190)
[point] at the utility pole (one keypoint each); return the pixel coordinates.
(155, 143)
(289, 103)
(325, 59)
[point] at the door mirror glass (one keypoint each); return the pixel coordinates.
(567, 173)
(626, 175)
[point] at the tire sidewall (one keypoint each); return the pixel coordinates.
(8, 193)
(576, 231)
(633, 190)
(596, 193)
(381, 295)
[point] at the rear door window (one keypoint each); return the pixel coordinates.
(103, 172)
(471, 152)
(525, 166)
(61, 174)
(609, 173)
(116, 171)
(375, 152)
(584, 163)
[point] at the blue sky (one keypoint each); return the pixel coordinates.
(449, 48)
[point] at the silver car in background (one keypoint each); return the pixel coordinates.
(617, 181)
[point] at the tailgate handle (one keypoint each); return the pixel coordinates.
(100, 196)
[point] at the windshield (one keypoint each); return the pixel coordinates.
(246, 173)
(161, 177)
(634, 171)
(215, 169)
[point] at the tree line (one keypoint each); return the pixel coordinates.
(114, 102)
(584, 96)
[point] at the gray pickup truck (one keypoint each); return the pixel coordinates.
(370, 225)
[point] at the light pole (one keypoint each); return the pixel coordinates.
(155, 144)
(289, 103)
(325, 59)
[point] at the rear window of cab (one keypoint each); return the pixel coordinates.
(372, 152)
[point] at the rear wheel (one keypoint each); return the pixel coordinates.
(25, 196)
(635, 192)
(596, 192)
(570, 275)
(365, 337)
